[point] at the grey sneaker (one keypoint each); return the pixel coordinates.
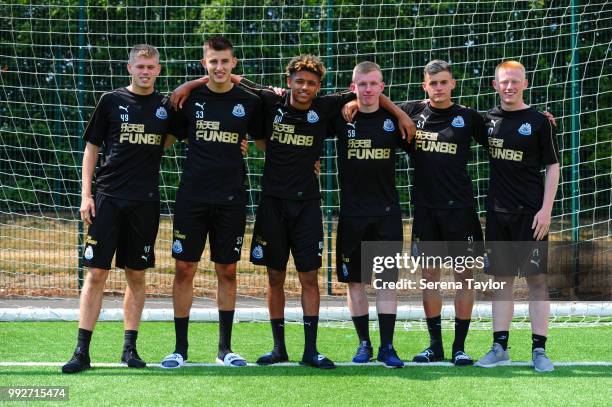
(541, 363)
(497, 356)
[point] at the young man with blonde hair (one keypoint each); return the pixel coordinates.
(369, 207)
(129, 125)
(519, 205)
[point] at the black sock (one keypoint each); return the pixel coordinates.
(181, 326)
(461, 330)
(538, 341)
(501, 337)
(278, 333)
(434, 326)
(226, 320)
(129, 339)
(386, 323)
(363, 330)
(310, 334)
(83, 340)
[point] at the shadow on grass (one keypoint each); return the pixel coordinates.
(410, 373)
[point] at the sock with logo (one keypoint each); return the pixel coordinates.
(226, 321)
(83, 340)
(278, 333)
(310, 334)
(461, 330)
(181, 327)
(434, 326)
(129, 338)
(361, 326)
(386, 323)
(501, 337)
(538, 341)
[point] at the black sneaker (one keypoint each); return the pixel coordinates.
(460, 358)
(80, 361)
(428, 355)
(270, 358)
(317, 360)
(132, 359)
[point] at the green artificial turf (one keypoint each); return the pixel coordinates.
(346, 385)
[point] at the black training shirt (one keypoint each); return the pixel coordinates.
(215, 124)
(440, 153)
(130, 129)
(294, 140)
(520, 143)
(366, 163)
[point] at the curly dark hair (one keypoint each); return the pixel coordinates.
(306, 62)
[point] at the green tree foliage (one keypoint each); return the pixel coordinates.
(49, 91)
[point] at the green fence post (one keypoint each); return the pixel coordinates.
(575, 143)
(79, 127)
(56, 136)
(328, 152)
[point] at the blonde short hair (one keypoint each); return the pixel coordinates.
(143, 50)
(510, 64)
(365, 67)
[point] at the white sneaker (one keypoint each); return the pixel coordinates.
(173, 361)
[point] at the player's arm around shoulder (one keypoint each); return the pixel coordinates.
(405, 124)
(181, 93)
(169, 140)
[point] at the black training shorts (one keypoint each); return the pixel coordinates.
(123, 226)
(195, 221)
(511, 249)
(352, 230)
(284, 225)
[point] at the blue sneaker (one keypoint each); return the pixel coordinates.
(364, 353)
(388, 356)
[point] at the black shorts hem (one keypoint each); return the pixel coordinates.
(351, 279)
(93, 265)
(308, 269)
(220, 260)
(138, 268)
(187, 259)
(267, 264)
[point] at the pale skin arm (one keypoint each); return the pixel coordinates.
(170, 139)
(541, 220)
(261, 144)
(180, 94)
(350, 110)
(88, 206)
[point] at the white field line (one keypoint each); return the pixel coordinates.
(335, 313)
(293, 364)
